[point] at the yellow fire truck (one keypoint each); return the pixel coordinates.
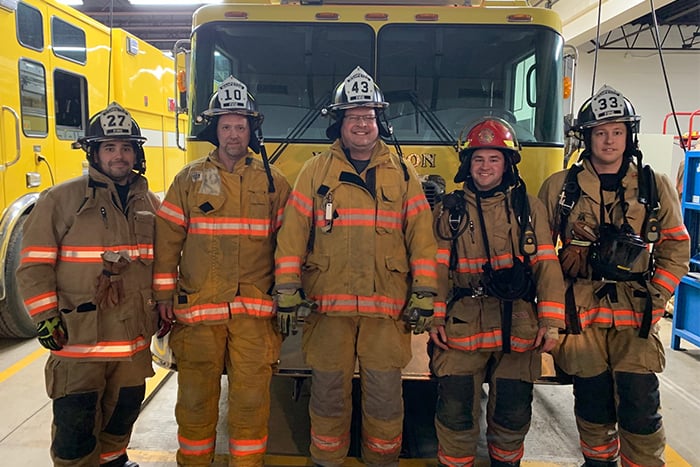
(440, 64)
(58, 67)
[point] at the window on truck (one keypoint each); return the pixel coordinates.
(32, 93)
(290, 68)
(437, 78)
(68, 41)
(463, 72)
(30, 31)
(70, 93)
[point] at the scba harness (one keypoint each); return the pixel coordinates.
(616, 249)
(507, 284)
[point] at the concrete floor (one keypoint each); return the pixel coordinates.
(552, 441)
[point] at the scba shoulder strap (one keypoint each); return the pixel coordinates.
(521, 207)
(648, 196)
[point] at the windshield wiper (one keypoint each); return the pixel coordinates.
(304, 124)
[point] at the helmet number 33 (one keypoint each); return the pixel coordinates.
(608, 103)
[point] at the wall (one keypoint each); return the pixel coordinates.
(637, 74)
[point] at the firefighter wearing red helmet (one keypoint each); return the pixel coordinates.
(357, 240)
(500, 300)
(624, 251)
(85, 275)
(213, 273)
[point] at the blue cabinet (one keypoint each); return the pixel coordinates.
(686, 313)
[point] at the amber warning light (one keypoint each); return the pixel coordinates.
(236, 14)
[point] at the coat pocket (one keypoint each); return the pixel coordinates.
(258, 218)
(389, 209)
(81, 324)
(144, 230)
(314, 267)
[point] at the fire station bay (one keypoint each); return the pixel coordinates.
(160, 76)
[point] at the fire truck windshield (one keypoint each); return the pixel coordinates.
(437, 77)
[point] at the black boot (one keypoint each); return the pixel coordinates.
(595, 463)
(497, 463)
(121, 461)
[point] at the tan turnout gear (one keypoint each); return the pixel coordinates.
(96, 380)
(612, 360)
(475, 328)
(215, 242)
(371, 245)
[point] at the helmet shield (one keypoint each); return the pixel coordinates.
(607, 106)
(232, 97)
(113, 123)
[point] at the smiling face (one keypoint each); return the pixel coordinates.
(487, 168)
(608, 143)
(116, 159)
(359, 131)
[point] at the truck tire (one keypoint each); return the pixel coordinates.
(14, 318)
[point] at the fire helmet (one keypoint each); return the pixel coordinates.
(232, 97)
(161, 352)
(358, 89)
(487, 133)
(607, 106)
(113, 123)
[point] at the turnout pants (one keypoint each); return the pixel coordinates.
(95, 405)
(382, 347)
(248, 348)
(509, 409)
(616, 394)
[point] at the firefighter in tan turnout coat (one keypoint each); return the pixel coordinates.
(85, 272)
(359, 227)
(214, 269)
(495, 257)
(624, 251)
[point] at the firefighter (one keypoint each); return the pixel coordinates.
(87, 255)
(214, 268)
(625, 249)
(359, 227)
(495, 260)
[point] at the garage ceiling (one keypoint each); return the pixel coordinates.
(679, 24)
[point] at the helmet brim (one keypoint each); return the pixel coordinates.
(353, 105)
(211, 113)
(595, 123)
(101, 139)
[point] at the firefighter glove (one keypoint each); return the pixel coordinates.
(109, 288)
(419, 312)
(288, 303)
(52, 334)
(574, 256)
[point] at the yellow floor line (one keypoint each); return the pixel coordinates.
(673, 459)
(25, 362)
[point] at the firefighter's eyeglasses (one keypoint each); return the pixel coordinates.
(368, 119)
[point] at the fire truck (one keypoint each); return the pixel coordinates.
(440, 64)
(58, 67)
